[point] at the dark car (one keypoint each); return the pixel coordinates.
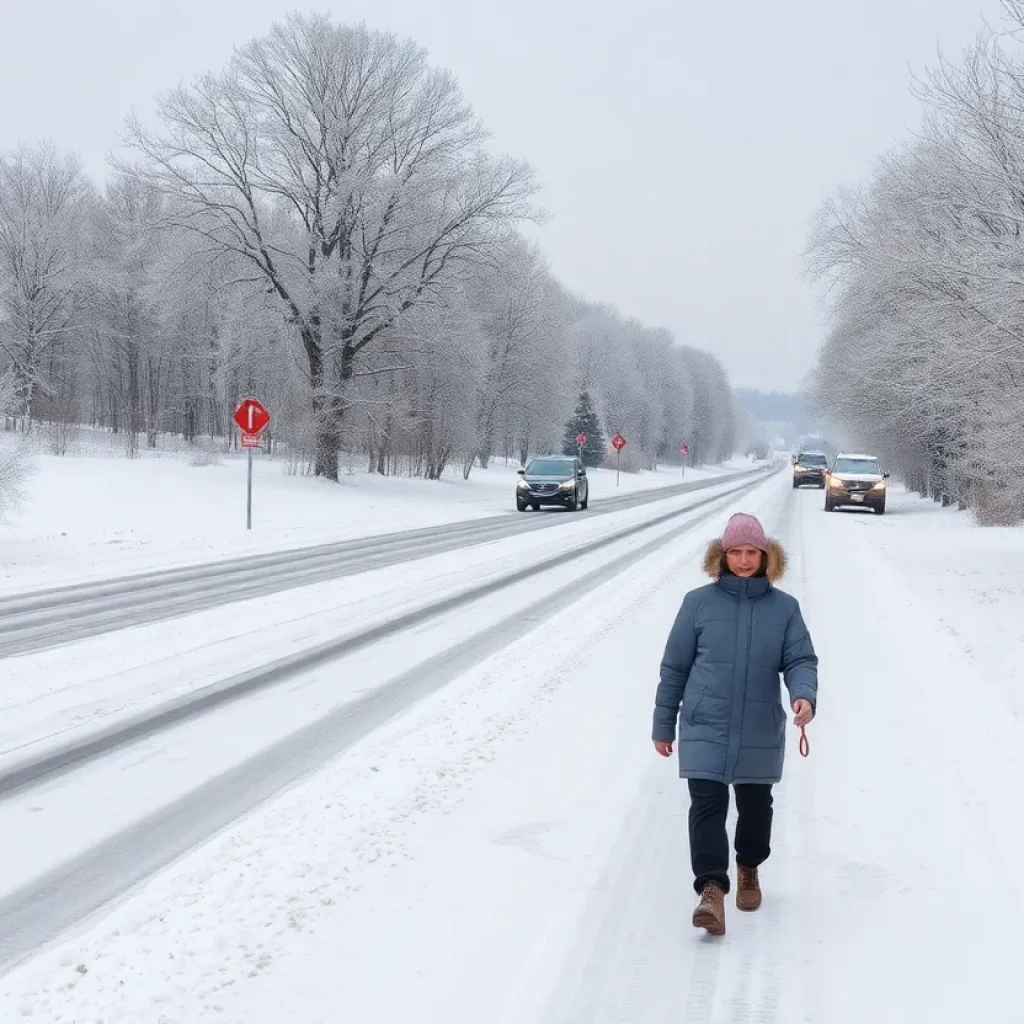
(810, 468)
(553, 480)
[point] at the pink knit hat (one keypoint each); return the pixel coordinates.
(744, 530)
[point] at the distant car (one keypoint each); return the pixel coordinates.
(810, 468)
(553, 480)
(856, 481)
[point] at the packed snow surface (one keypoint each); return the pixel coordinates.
(511, 849)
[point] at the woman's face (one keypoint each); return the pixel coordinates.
(743, 561)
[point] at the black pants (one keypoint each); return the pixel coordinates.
(709, 840)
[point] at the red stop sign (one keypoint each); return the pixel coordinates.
(251, 416)
(685, 450)
(581, 438)
(618, 442)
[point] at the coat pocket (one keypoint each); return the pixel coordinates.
(710, 710)
(691, 707)
(763, 724)
(780, 720)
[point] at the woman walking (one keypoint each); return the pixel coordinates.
(728, 646)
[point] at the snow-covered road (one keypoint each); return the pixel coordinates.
(176, 786)
(96, 518)
(509, 848)
(39, 619)
(893, 889)
(81, 699)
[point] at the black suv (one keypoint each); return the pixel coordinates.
(553, 480)
(810, 468)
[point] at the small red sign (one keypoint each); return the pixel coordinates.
(618, 442)
(581, 438)
(251, 417)
(685, 450)
(251, 440)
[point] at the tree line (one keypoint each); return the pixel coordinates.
(322, 224)
(924, 265)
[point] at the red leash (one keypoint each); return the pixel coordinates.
(805, 745)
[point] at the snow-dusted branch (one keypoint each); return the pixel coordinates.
(923, 269)
(324, 223)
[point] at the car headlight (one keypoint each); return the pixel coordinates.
(836, 485)
(567, 485)
(522, 486)
(880, 486)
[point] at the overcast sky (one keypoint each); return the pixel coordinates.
(682, 146)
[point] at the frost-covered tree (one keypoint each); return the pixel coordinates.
(321, 224)
(715, 412)
(923, 265)
(349, 178)
(14, 461)
(45, 200)
(128, 329)
(523, 315)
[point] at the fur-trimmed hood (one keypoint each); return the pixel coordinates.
(775, 568)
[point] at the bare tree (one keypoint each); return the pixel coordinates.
(321, 225)
(14, 462)
(349, 179)
(523, 317)
(924, 267)
(44, 202)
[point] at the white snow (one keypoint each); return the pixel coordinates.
(89, 517)
(511, 849)
(50, 694)
(69, 692)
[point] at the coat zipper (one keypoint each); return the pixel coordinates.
(739, 685)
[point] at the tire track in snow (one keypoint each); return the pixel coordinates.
(645, 963)
(802, 774)
(877, 850)
(176, 711)
(71, 893)
(763, 969)
(876, 836)
(48, 618)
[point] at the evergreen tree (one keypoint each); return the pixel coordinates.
(585, 421)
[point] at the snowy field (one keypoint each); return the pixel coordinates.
(509, 840)
(96, 516)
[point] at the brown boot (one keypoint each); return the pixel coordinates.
(710, 911)
(748, 889)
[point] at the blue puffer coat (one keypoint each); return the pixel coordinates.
(728, 646)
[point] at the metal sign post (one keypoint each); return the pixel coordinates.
(248, 494)
(618, 443)
(252, 419)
